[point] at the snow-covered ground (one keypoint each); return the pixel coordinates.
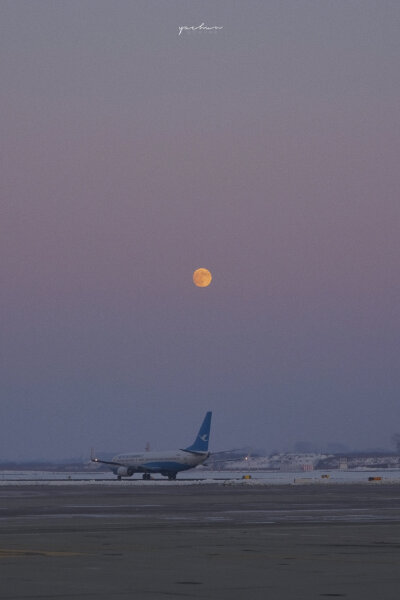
(201, 476)
(281, 461)
(307, 462)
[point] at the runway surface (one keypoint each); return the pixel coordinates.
(217, 542)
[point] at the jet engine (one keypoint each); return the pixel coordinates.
(124, 472)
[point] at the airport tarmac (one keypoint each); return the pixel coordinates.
(277, 542)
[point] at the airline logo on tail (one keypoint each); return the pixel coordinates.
(201, 442)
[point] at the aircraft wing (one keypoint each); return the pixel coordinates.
(232, 459)
(94, 458)
(106, 462)
(230, 450)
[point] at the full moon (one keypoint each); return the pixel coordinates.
(202, 277)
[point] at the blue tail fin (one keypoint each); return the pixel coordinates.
(201, 442)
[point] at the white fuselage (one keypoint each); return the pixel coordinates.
(159, 462)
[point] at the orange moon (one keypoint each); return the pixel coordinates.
(202, 277)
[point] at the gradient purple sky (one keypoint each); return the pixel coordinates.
(267, 152)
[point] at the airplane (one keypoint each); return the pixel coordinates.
(168, 463)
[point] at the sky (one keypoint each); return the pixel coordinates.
(266, 151)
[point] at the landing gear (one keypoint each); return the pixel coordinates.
(171, 476)
(146, 476)
(119, 477)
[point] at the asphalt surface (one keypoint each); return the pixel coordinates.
(215, 542)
